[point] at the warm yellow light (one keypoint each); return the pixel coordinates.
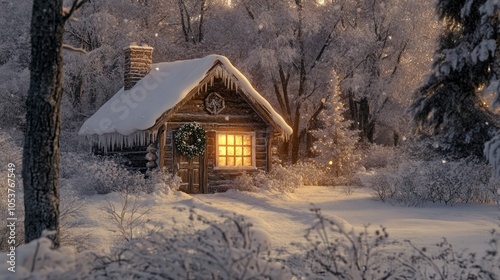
(234, 150)
(330, 162)
(222, 139)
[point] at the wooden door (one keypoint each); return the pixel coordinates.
(190, 170)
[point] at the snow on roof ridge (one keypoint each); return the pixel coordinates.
(138, 108)
(138, 46)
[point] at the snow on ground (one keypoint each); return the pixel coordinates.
(286, 216)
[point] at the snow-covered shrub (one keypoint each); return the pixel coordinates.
(312, 174)
(90, 175)
(231, 248)
(378, 156)
(335, 252)
(245, 182)
(70, 218)
(444, 262)
(283, 179)
(206, 249)
(280, 179)
(129, 215)
(163, 181)
(412, 183)
(37, 260)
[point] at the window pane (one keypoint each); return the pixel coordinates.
(222, 139)
(247, 140)
(238, 139)
(230, 139)
(234, 150)
(247, 161)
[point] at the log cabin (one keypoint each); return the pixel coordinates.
(199, 119)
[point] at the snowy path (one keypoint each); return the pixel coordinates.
(286, 216)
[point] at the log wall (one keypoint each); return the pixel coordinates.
(133, 158)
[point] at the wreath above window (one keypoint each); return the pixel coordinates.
(190, 140)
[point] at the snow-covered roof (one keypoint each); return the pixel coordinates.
(168, 83)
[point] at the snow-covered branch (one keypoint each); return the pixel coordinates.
(75, 49)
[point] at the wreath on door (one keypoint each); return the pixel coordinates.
(190, 140)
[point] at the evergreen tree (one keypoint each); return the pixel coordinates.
(451, 104)
(335, 146)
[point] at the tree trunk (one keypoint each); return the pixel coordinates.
(296, 137)
(353, 110)
(200, 24)
(43, 119)
(363, 120)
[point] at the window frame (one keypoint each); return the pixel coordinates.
(254, 162)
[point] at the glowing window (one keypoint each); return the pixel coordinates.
(235, 150)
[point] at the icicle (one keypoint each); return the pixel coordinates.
(107, 141)
(217, 72)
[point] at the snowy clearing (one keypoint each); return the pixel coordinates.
(286, 216)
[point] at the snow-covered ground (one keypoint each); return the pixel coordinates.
(286, 216)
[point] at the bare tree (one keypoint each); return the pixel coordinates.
(187, 19)
(43, 119)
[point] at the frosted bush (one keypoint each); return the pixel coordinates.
(312, 174)
(37, 260)
(280, 179)
(162, 181)
(377, 156)
(333, 251)
(245, 182)
(129, 216)
(283, 180)
(444, 262)
(206, 249)
(99, 175)
(413, 183)
(231, 248)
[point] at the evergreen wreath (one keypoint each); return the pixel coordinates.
(190, 131)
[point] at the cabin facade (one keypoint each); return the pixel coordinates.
(199, 119)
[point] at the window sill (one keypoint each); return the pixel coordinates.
(235, 168)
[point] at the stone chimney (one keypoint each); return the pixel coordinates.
(138, 60)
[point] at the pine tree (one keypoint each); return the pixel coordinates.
(451, 104)
(335, 146)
